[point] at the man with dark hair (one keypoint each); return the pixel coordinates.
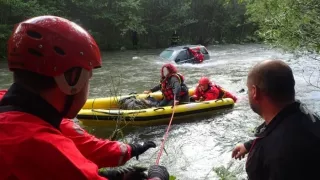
(287, 144)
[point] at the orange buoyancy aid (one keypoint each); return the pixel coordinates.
(166, 88)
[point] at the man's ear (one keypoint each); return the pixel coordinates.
(255, 92)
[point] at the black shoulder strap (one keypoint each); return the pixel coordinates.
(221, 92)
(178, 76)
(8, 108)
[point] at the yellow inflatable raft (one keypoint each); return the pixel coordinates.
(105, 111)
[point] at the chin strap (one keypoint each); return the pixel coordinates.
(67, 105)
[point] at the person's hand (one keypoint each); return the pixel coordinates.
(192, 99)
(159, 172)
(239, 151)
(235, 98)
(138, 149)
(146, 92)
(127, 173)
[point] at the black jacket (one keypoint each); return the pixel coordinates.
(288, 148)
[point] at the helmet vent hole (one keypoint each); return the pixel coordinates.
(35, 52)
(59, 50)
(34, 34)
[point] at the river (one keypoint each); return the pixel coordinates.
(194, 148)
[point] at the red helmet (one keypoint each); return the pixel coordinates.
(170, 67)
(204, 81)
(50, 45)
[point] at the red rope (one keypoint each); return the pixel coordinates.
(166, 134)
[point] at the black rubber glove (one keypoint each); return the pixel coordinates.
(128, 173)
(137, 149)
(160, 172)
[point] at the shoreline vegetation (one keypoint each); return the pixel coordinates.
(140, 24)
(148, 24)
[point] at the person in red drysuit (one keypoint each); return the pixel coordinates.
(196, 53)
(52, 60)
(104, 153)
(172, 85)
(200, 56)
(206, 91)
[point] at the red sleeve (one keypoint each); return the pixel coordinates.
(104, 153)
(201, 57)
(198, 57)
(196, 95)
(2, 92)
(194, 53)
(229, 95)
(52, 156)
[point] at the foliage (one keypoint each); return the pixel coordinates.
(113, 23)
(224, 173)
(290, 24)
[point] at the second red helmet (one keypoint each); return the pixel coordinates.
(204, 81)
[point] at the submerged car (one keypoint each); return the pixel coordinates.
(180, 55)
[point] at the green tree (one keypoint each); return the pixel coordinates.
(290, 24)
(112, 23)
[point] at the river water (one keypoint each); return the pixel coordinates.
(194, 148)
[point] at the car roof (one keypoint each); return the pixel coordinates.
(175, 48)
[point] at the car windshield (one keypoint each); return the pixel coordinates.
(166, 54)
(203, 50)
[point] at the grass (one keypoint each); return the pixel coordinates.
(121, 120)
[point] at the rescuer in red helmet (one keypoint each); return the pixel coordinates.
(206, 91)
(52, 60)
(103, 152)
(196, 53)
(172, 86)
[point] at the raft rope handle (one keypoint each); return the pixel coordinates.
(166, 134)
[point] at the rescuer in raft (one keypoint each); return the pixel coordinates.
(52, 60)
(206, 91)
(172, 86)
